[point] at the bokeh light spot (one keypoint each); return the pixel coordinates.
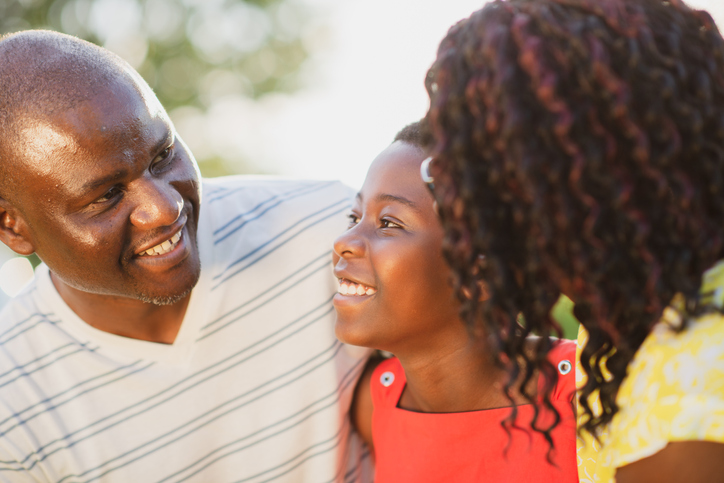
(15, 274)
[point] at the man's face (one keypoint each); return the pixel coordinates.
(106, 189)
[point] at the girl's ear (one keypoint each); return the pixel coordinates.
(484, 292)
(482, 286)
(14, 230)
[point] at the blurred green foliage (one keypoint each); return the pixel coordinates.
(562, 312)
(34, 260)
(191, 52)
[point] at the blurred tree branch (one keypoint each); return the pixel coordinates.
(191, 52)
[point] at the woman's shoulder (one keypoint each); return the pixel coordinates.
(674, 391)
(679, 363)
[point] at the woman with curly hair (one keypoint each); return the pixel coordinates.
(578, 149)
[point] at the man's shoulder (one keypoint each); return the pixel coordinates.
(256, 225)
(21, 320)
(18, 310)
(247, 187)
(268, 203)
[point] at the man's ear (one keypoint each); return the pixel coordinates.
(14, 230)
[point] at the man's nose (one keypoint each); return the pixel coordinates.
(158, 204)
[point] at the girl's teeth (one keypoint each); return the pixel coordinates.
(348, 288)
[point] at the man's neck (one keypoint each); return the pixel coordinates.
(124, 316)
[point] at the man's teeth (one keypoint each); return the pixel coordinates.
(164, 247)
(350, 288)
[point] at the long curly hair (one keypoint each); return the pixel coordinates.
(578, 148)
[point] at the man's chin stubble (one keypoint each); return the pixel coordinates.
(161, 300)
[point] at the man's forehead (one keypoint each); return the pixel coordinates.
(118, 103)
(98, 127)
(40, 140)
(65, 102)
(122, 98)
(45, 72)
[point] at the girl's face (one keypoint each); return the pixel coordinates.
(394, 291)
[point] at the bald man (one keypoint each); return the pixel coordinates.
(168, 336)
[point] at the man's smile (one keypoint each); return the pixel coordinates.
(164, 247)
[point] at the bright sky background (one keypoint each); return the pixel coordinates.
(367, 86)
(364, 86)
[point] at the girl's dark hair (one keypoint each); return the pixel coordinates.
(579, 147)
(414, 134)
(411, 134)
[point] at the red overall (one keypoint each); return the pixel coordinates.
(470, 446)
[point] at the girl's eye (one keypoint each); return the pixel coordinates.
(109, 195)
(353, 219)
(385, 223)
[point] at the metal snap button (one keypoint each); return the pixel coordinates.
(564, 367)
(387, 378)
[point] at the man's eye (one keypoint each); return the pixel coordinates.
(164, 158)
(109, 195)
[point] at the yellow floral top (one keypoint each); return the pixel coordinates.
(674, 391)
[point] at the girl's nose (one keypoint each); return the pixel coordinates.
(349, 244)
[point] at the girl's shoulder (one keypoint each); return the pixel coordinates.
(563, 358)
(387, 383)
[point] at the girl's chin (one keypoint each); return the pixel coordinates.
(352, 332)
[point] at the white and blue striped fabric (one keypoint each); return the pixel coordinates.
(255, 388)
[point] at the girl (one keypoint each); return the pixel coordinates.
(434, 412)
(578, 145)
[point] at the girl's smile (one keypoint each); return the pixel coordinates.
(348, 287)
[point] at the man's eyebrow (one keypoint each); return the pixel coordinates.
(164, 141)
(97, 183)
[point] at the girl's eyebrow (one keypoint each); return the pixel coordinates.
(384, 197)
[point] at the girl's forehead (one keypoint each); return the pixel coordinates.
(396, 168)
(394, 180)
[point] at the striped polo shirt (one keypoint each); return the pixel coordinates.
(254, 389)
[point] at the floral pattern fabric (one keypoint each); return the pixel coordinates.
(674, 391)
